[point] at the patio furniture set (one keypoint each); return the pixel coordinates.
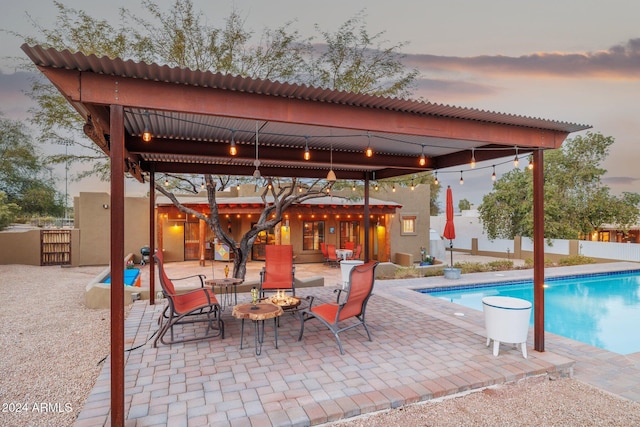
(203, 306)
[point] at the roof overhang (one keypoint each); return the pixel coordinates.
(194, 115)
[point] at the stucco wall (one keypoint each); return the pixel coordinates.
(93, 215)
(416, 202)
(20, 247)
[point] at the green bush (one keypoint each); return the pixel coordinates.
(576, 260)
(407, 273)
(500, 265)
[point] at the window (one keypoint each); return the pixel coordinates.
(349, 232)
(312, 235)
(408, 225)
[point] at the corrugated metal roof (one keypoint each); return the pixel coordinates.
(140, 70)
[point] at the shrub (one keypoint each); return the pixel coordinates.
(407, 273)
(576, 260)
(500, 265)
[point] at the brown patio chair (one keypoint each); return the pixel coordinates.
(333, 315)
(278, 271)
(196, 306)
(332, 256)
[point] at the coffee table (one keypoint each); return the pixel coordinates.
(226, 283)
(258, 314)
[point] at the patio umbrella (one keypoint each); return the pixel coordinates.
(449, 228)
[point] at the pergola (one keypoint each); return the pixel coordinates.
(196, 116)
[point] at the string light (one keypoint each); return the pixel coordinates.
(166, 182)
(423, 160)
(473, 158)
(493, 175)
(461, 179)
(369, 151)
(412, 185)
(530, 165)
(353, 187)
(515, 160)
(202, 184)
(238, 184)
(436, 182)
(393, 188)
(307, 154)
(233, 150)
(376, 187)
(146, 134)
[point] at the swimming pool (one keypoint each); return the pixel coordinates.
(602, 309)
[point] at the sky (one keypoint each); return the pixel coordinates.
(575, 61)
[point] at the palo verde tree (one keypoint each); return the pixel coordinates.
(350, 60)
(576, 201)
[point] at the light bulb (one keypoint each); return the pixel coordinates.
(369, 152)
(146, 135)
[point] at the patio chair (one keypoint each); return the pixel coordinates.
(278, 271)
(196, 306)
(349, 245)
(332, 315)
(332, 256)
(356, 253)
(325, 253)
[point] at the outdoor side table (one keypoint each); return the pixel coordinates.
(227, 284)
(506, 320)
(262, 312)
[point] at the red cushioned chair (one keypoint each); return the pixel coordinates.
(333, 315)
(197, 306)
(278, 271)
(332, 256)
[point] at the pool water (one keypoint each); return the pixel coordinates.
(602, 310)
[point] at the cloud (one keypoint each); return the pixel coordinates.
(14, 102)
(621, 61)
(442, 87)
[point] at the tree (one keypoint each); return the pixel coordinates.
(8, 211)
(180, 37)
(576, 201)
(22, 173)
(464, 205)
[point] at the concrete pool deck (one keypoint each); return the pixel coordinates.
(422, 348)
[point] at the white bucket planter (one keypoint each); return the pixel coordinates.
(452, 273)
(345, 268)
(506, 320)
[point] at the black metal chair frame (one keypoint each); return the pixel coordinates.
(196, 306)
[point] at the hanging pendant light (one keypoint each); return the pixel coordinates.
(146, 134)
(473, 158)
(233, 150)
(422, 160)
(307, 154)
(493, 175)
(369, 151)
(331, 176)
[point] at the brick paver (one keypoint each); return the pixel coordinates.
(420, 350)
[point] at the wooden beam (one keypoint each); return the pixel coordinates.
(117, 265)
(94, 88)
(538, 249)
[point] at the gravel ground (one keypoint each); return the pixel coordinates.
(52, 348)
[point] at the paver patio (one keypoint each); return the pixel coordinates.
(422, 348)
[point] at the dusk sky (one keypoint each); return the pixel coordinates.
(572, 61)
